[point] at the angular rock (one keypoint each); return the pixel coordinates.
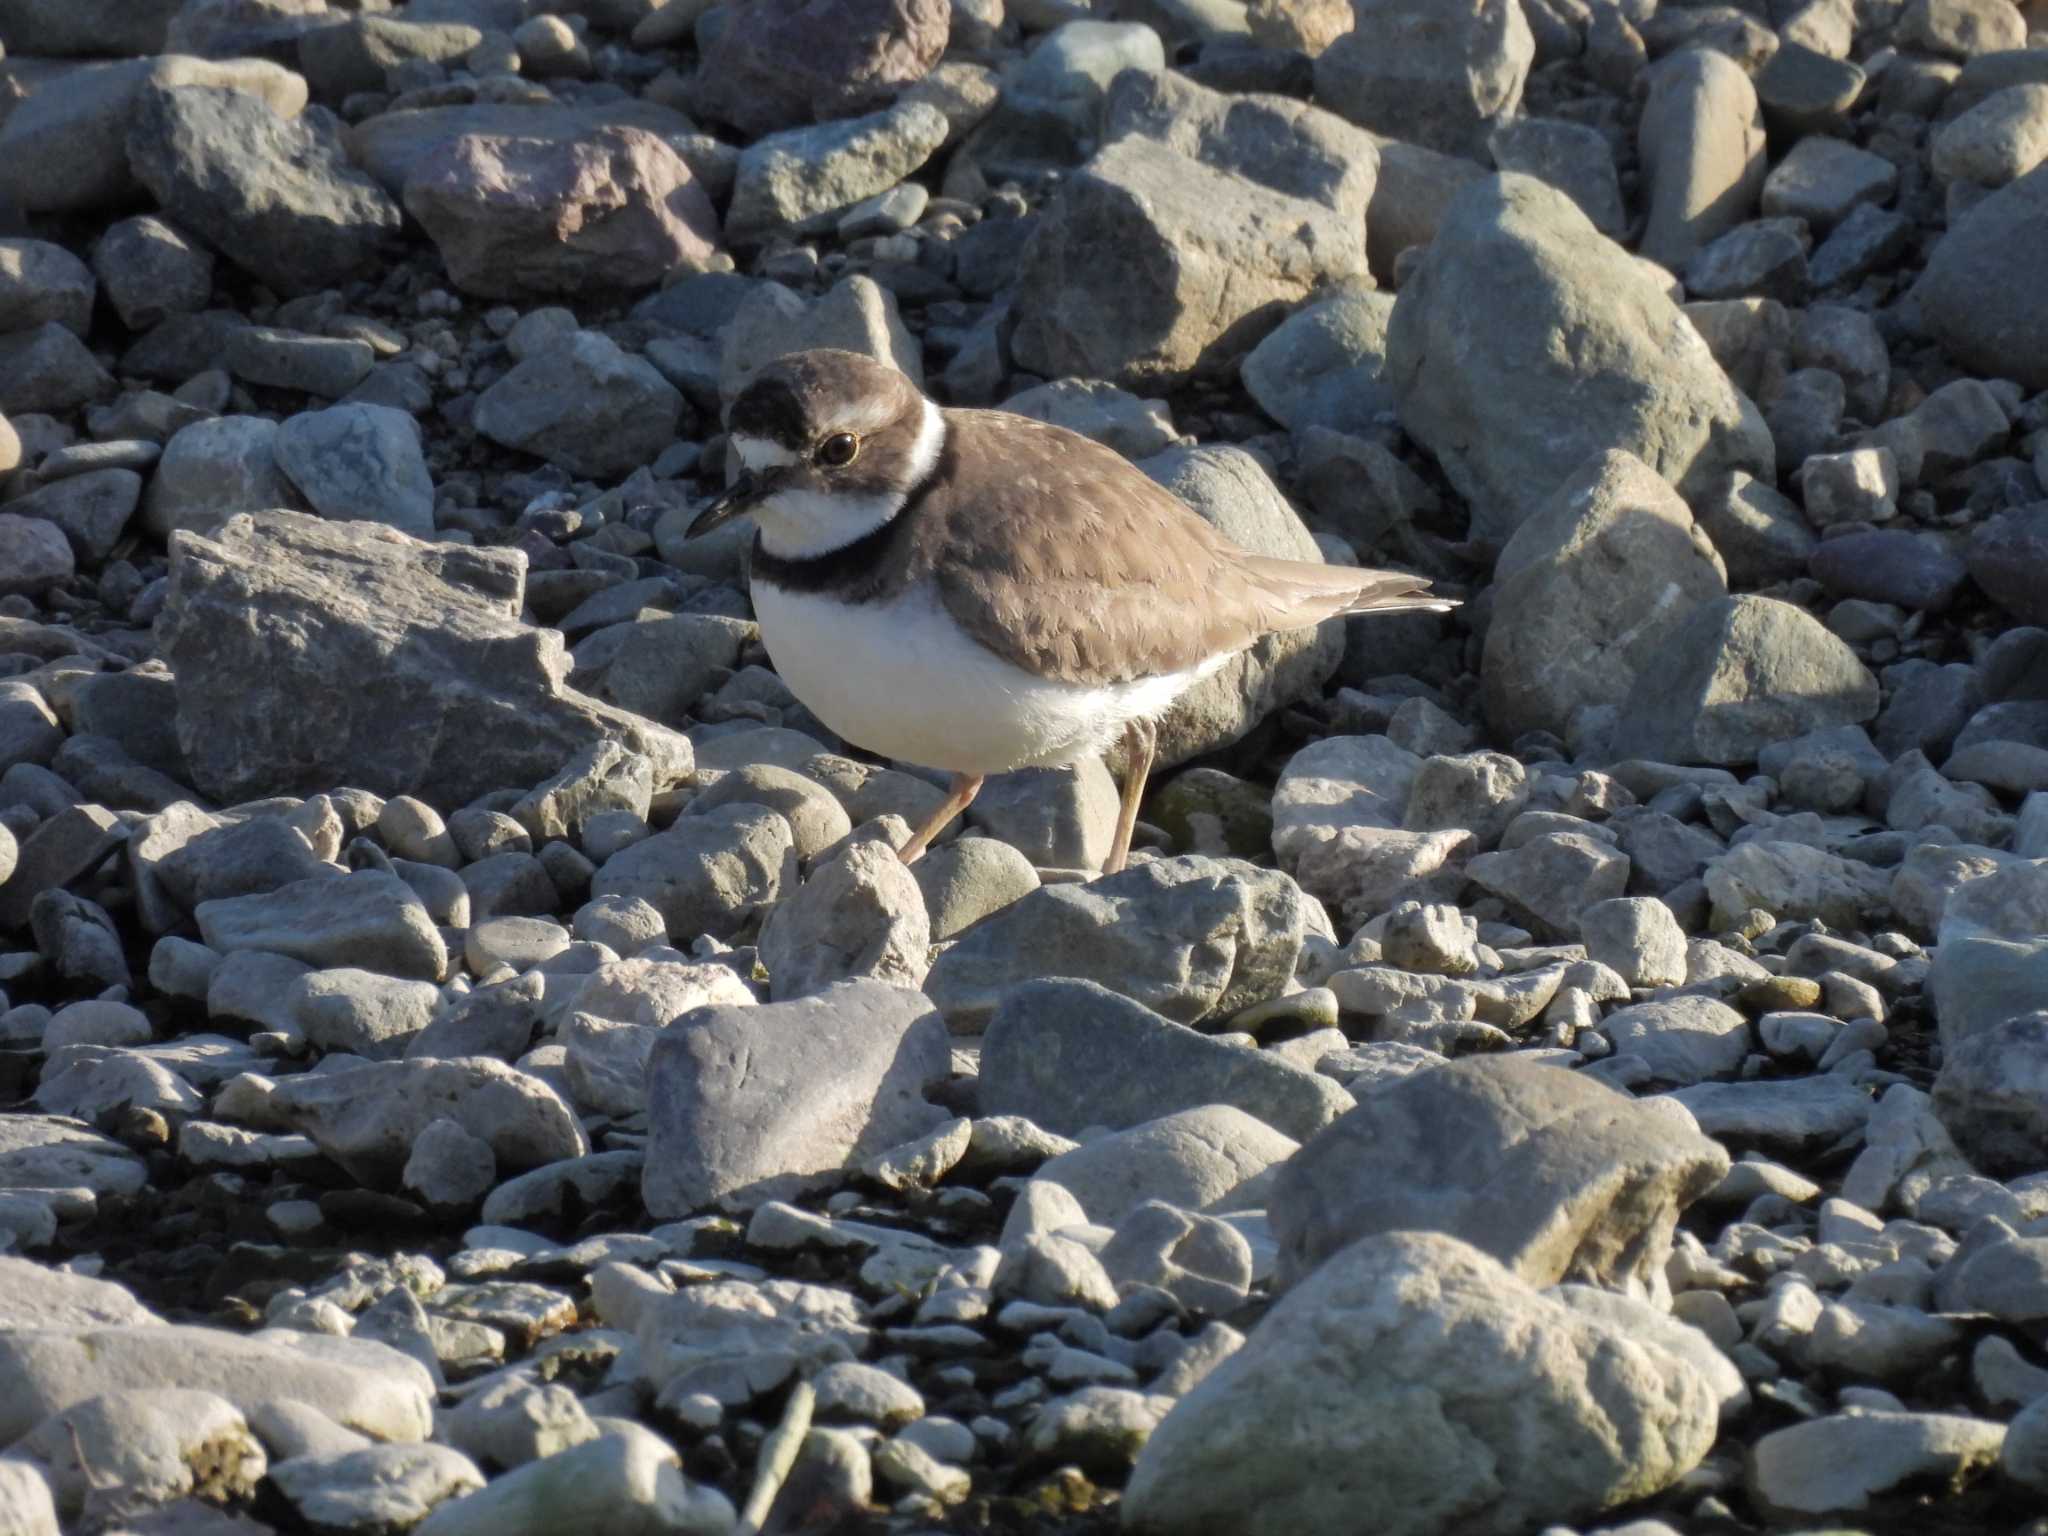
(1322, 366)
(1684, 1039)
(1407, 1359)
(1592, 355)
(1739, 674)
(276, 196)
(1554, 1174)
(359, 461)
(520, 217)
(1551, 880)
(803, 180)
(1437, 75)
(782, 63)
(1795, 881)
(1151, 265)
(1068, 1055)
(714, 873)
(368, 1117)
(1188, 937)
(1588, 593)
(281, 706)
(860, 915)
(369, 919)
(584, 406)
(747, 1105)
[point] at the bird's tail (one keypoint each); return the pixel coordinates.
(1304, 593)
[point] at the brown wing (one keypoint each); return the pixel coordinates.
(1066, 560)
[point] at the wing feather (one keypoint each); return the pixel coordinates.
(1066, 560)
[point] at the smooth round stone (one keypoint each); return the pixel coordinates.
(520, 942)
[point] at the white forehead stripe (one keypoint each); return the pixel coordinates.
(760, 453)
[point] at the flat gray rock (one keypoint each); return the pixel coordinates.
(747, 1105)
(1553, 1173)
(1068, 1055)
(282, 705)
(1188, 937)
(368, 919)
(360, 461)
(357, 1383)
(367, 1118)
(1737, 675)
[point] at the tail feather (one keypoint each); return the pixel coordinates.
(1304, 593)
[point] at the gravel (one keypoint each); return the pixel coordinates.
(467, 1051)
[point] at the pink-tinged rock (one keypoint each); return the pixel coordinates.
(783, 63)
(517, 216)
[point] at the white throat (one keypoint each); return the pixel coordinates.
(804, 524)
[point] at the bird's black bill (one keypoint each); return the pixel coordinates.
(736, 500)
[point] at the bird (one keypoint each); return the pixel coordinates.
(976, 591)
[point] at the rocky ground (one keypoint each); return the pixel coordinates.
(1575, 1064)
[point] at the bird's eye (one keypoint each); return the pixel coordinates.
(838, 450)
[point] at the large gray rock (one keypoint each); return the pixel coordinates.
(67, 148)
(310, 654)
(1795, 881)
(1974, 296)
(1275, 141)
(1215, 1158)
(714, 873)
(370, 920)
(1067, 1055)
(211, 470)
(1702, 144)
(803, 180)
(359, 461)
(367, 1118)
(1324, 365)
(1737, 675)
(515, 216)
(1554, 1174)
(747, 1105)
(1190, 938)
(1232, 492)
(1991, 961)
(359, 1384)
(1413, 1362)
(1591, 355)
(584, 406)
(276, 196)
(783, 63)
(1587, 594)
(1151, 265)
(1992, 1094)
(1438, 74)
(860, 914)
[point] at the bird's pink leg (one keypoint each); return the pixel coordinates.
(959, 795)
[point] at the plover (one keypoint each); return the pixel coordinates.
(977, 591)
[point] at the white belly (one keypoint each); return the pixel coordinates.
(903, 680)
